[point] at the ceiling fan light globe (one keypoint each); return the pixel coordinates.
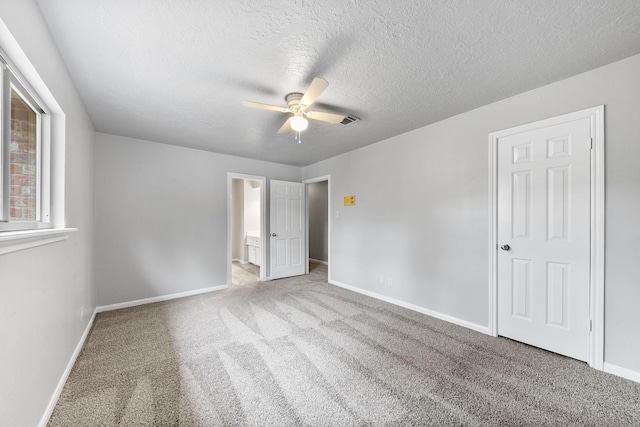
(299, 124)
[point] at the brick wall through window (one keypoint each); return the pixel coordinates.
(23, 172)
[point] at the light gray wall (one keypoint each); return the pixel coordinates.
(421, 212)
(43, 290)
(318, 220)
(161, 224)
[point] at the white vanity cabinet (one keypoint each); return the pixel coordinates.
(253, 249)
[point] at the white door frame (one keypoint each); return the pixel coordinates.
(596, 117)
(263, 221)
(306, 183)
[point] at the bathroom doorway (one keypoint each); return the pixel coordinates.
(246, 229)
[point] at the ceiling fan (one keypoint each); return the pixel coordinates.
(297, 104)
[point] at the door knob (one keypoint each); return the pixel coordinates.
(273, 234)
(505, 247)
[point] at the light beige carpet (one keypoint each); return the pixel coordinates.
(244, 274)
(299, 351)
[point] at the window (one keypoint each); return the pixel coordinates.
(24, 158)
(32, 154)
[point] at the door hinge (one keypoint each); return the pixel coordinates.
(590, 325)
(591, 143)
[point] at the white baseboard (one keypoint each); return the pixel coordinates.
(151, 300)
(65, 375)
(437, 315)
(317, 261)
(622, 372)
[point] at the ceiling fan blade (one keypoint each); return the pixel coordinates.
(325, 117)
(317, 86)
(286, 127)
(252, 104)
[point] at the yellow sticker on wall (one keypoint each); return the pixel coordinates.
(349, 200)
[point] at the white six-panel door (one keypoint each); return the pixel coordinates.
(544, 238)
(287, 239)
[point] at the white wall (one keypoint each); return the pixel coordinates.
(161, 224)
(251, 206)
(43, 290)
(421, 212)
(318, 220)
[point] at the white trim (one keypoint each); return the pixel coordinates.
(317, 261)
(436, 314)
(596, 116)
(317, 179)
(5, 143)
(12, 241)
(306, 183)
(160, 298)
(264, 232)
(65, 375)
(597, 238)
(493, 236)
(621, 372)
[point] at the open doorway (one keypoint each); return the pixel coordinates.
(245, 229)
(318, 223)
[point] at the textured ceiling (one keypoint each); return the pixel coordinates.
(177, 71)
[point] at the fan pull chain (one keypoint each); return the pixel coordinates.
(298, 138)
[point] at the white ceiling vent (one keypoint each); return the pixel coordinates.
(348, 120)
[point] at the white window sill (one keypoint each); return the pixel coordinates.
(12, 241)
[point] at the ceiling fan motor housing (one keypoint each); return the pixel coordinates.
(293, 99)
